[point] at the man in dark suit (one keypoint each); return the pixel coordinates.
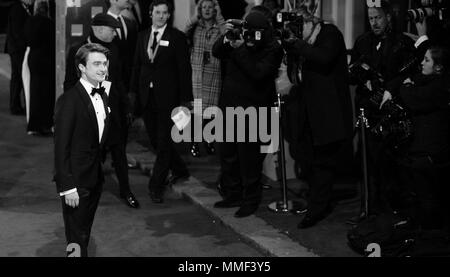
(15, 47)
(126, 35)
(81, 127)
(324, 105)
(103, 31)
(161, 81)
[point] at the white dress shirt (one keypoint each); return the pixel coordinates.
(158, 39)
(100, 114)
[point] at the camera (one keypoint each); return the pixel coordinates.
(237, 31)
(394, 126)
(288, 24)
(242, 28)
(429, 8)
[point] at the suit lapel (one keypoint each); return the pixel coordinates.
(106, 128)
(88, 104)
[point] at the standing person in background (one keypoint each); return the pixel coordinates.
(325, 118)
(162, 81)
(15, 47)
(424, 166)
(40, 36)
(202, 31)
(126, 34)
(251, 69)
(126, 41)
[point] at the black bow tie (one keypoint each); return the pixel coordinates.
(100, 91)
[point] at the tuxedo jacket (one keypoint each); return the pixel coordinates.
(78, 152)
(170, 72)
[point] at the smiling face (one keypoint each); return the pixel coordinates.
(96, 68)
(160, 15)
(378, 20)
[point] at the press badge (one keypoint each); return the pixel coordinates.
(257, 35)
(164, 43)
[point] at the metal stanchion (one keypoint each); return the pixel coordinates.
(285, 205)
(363, 125)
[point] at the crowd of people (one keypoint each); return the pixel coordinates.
(153, 69)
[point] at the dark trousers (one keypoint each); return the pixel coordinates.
(241, 167)
(159, 125)
(16, 85)
(119, 158)
(427, 185)
(384, 191)
(78, 221)
(322, 162)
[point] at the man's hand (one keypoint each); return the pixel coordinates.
(387, 96)
(408, 81)
(369, 85)
(72, 200)
(237, 43)
(422, 28)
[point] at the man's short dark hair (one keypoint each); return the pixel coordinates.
(156, 3)
(108, 4)
(85, 50)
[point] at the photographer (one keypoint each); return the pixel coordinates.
(425, 164)
(386, 51)
(251, 68)
(324, 104)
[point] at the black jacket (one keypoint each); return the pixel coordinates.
(15, 40)
(428, 102)
(118, 98)
(78, 153)
(324, 95)
(249, 79)
(170, 72)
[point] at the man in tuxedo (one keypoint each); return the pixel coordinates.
(103, 31)
(15, 47)
(82, 120)
(161, 81)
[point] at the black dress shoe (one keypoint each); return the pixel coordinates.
(246, 210)
(228, 203)
(173, 179)
(195, 150)
(156, 197)
(130, 200)
(311, 220)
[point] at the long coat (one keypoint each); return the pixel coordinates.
(206, 69)
(324, 94)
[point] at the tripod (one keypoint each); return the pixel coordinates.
(363, 125)
(284, 206)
